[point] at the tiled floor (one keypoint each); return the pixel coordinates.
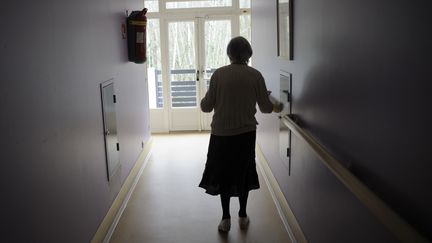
(167, 206)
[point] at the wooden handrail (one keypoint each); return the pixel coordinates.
(401, 229)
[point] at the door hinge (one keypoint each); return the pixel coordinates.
(114, 98)
(288, 152)
(118, 147)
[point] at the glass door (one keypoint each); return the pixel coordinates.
(196, 47)
(187, 42)
(183, 75)
(216, 35)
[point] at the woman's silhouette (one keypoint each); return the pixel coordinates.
(233, 93)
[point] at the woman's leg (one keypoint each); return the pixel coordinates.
(243, 203)
(225, 201)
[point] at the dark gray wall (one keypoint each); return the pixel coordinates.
(53, 56)
(361, 86)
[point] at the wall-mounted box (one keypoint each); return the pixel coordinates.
(112, 146)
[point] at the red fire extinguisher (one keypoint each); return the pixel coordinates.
(136, 24)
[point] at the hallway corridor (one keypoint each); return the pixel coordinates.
(167, 206)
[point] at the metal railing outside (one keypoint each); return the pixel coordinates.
(183, 89)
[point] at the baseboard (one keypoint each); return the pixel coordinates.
(285, 212)
(107, 227)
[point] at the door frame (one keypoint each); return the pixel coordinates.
(160, 118)
(202, 119)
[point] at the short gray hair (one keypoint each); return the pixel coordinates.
(239, 50)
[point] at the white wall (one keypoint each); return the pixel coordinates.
(361, 85)
(53, 56)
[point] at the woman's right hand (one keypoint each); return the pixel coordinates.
(278, 107)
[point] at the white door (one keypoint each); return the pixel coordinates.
(196, 47)
(183, 78)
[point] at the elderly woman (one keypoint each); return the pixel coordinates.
(234, 91)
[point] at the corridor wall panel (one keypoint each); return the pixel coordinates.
(53, 57)
(361, 86)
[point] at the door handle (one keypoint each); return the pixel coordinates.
(197, 75)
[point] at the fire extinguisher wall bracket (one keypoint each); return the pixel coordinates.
(136, 24)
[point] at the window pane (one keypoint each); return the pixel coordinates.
(245, 29)
(245, 26)
(154, 66)
(245, 3)
(152, 5)
(181, 43)
(198, 4)
(216, 37)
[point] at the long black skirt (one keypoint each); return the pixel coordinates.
(230, 168)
